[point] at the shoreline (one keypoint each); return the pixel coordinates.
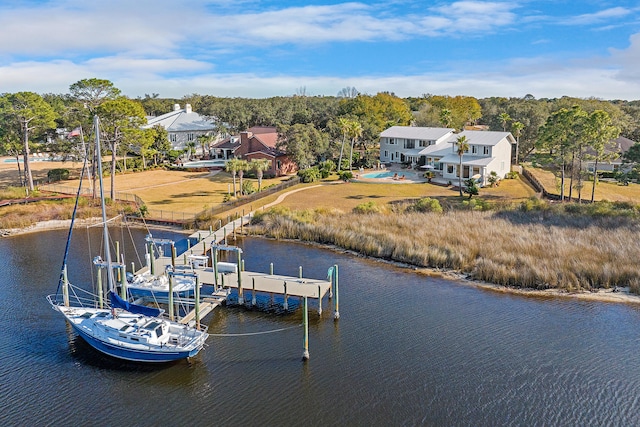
(619, 295)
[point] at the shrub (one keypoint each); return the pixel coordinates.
(493, 178)
(346, 175)
(58, 174)
(471, 187)
(534, 204)
(367, 208)
(512, 175)
(478, 204)
(247, 187)
(309, 175)
(427, 204)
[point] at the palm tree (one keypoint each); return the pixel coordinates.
(260, 165)
(446, 117)
(504, 117)
(517, 127)
(355, 132)
(344, 127)
(463, 146)
(243, 165)
(232, 167)
(191, 145)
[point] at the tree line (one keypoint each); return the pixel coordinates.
(313, 129)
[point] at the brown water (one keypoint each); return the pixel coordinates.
(407, 350)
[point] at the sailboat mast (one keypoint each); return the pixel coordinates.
(107, 251)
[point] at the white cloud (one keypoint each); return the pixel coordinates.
(598, 17)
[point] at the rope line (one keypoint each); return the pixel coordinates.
(256, 333)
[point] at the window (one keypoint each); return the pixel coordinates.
(486, 151)
(173, 137)
(423, 143)
(449, 168)
(410, 143)
(474, 149)
(386, 154)
(190, 137)
(392, 141)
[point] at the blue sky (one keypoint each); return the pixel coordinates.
(547, 48)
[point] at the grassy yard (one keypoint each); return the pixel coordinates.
(611, 191)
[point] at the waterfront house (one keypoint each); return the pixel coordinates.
(436, 149)
(402, 144)
(258, 142)
(183, 125)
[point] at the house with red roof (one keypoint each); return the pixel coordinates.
(258, 142)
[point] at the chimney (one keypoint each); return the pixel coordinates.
(244, 137)
(187, 108)
(176, 107)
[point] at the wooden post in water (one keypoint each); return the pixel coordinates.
(319, 302)
(300, 272)
(336, 311)
(214, 255)
(152, 267)
(133, 267)
(65, 286)
(286, 303)
(305, 317)
(253, 292)
(123, 282)
(173, 256)
(171, 313)
(100, 291)
(240, 296)
(242, 265)
(197, 308)
(118, 278)
(271, 269)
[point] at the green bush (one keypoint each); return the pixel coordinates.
(367, 208)
(58, 174)
(534, 204)
(346, 175)
(309, 175)
(427, 204)
(247, 187)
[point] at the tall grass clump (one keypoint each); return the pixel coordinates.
(520, 248)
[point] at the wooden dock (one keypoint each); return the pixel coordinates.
(200, 258)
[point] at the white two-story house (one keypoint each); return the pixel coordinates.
(183, 125)
(488, 152)
(436, 149)
(403, 144)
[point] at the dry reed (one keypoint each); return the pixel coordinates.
(540, 248)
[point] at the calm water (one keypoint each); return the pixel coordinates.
(407, 350)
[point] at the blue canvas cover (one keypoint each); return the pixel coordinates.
(118, 302)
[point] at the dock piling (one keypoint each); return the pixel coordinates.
(319, 301)
(336, 311)
(305, 317)
(271, 269)
(286, 302)
(253, 291)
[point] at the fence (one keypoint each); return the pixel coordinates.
(172, 216)
(537, 185)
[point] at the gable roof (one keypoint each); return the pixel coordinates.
(268, 135)
(414, 132)
(483, 137)
(181, 120)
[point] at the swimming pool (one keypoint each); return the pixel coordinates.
(379, 175)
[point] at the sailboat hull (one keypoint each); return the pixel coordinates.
(134, 337)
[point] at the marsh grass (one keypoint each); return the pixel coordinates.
(540, 246)
(22, 216)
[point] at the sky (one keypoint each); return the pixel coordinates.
(257, 49)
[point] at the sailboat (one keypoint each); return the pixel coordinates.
(119, 328)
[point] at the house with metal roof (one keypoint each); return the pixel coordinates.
(183, 125)
(436, 149)
(402, 144)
